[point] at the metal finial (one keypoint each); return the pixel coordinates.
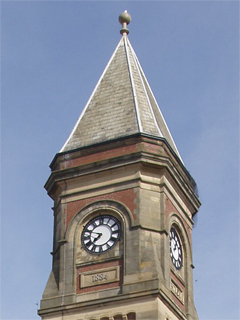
(124, 19)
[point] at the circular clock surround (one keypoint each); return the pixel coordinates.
(175, 249)
(101, 234)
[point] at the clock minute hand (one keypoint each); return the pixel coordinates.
(96, 233)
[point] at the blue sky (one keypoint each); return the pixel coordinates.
(52, 55)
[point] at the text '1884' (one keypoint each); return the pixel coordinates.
(99, 277)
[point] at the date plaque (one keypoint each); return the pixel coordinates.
(97, 277)
(178, 293)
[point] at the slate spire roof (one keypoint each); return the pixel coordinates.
(122, 103)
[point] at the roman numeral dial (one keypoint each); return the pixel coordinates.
(175, 249)
(101, 234)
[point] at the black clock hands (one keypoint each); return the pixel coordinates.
(175, 246)
(97, 237)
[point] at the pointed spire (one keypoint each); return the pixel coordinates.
(122, 103)
(124, 19)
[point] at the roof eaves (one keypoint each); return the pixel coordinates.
(176, 156)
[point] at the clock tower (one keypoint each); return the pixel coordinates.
(123, 207)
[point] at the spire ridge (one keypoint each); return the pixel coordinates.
(124, 19)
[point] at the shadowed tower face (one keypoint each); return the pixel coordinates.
(123, 207)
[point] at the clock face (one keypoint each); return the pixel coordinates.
(101, 234)
(175, 249)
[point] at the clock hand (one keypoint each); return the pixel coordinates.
(174, 245)
(99, 236)
(96, 233)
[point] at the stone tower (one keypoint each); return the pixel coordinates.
(123, 207)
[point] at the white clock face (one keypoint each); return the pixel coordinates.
(175, 249)
(101, 234)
